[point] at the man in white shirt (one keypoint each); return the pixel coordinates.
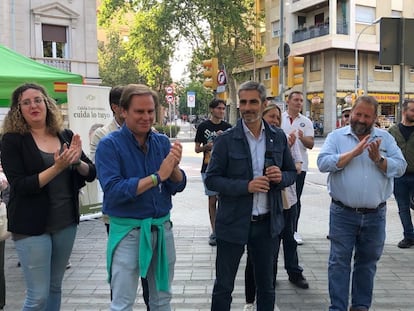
(293, 122)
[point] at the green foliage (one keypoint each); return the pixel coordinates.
(227, 29)
(116, 67)
(165, 129)
(203, 98)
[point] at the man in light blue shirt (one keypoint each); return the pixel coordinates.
(362, 162)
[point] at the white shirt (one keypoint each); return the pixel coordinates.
(299, 123)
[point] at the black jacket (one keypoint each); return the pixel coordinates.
(28, 207)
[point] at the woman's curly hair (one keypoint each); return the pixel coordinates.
(14, 121)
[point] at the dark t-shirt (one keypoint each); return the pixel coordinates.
(406, 131)
(207, 132)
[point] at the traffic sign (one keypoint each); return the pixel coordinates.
(221, 77)
(169, 90)
(169, 99)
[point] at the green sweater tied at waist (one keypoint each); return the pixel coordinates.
(120, 227)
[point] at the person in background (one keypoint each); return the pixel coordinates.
(293, 122)
(249, 170)
(139, 172)
(4, 197)
(207, 131)
(46, 168)
(272, 115)
(403, 133)
(362, 162)
(345, 116)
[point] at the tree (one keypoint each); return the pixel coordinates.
(203, 98)
(227, 29)
(115, 66)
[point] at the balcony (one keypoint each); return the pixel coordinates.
(316, 31)
(59, 63)
(313, 31)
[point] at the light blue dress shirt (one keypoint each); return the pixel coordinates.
(257, 150)
(360, 183)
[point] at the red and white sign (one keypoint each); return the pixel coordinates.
(221, 77)
(191, 99)
(170, 99)
(169, 90)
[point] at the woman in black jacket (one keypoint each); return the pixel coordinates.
(45, 167)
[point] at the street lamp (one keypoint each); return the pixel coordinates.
(356, 54)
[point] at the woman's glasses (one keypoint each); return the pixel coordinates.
(27, 102)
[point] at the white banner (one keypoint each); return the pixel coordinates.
(88, 109)
(191, 99)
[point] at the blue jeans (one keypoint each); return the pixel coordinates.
(262, 249)
(363, 234)
(125, 272)
(403, 186)
(43, 260)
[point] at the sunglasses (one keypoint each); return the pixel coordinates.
(346, 115)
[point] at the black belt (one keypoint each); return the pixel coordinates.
(361, 210)
(260, 217)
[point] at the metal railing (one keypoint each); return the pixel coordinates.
(316, 31)
(59, 63)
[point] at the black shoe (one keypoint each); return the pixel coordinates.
(406, 243)
(299, 281)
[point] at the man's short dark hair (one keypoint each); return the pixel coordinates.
(215, 102)
(406, 102)
(115, 95)
(254, 86)
(294, 93)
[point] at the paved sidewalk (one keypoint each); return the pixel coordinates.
(85, 287)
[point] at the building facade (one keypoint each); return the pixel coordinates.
(61, 33)
(336, 37)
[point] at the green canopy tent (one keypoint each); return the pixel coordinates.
(16, 69)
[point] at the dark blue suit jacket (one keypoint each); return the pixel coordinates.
(229, 173)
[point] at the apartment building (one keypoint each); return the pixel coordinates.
(336, 37)
(61, 33)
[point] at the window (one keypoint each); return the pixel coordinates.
(315, 62)
(347, 66)
(364, 14)
(275, 29)
(411, 69)
(54, 40)
(319, 19)
(262, 39)
(267, 74)
(395, 13)
(383, 68)
(301, 21)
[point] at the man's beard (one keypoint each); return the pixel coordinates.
(360, 128)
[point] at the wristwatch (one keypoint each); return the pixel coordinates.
(379, 162)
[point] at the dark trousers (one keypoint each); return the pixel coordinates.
(262, 250)
(290, 252)
(144, 283)
(290, 257)
(2, 277)
(300, 182)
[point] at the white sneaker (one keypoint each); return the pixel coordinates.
(298, 238)
(249, 307)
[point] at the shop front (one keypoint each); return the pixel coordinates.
(387, 108)
(317, 112)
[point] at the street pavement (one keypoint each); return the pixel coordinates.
(85, 287)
